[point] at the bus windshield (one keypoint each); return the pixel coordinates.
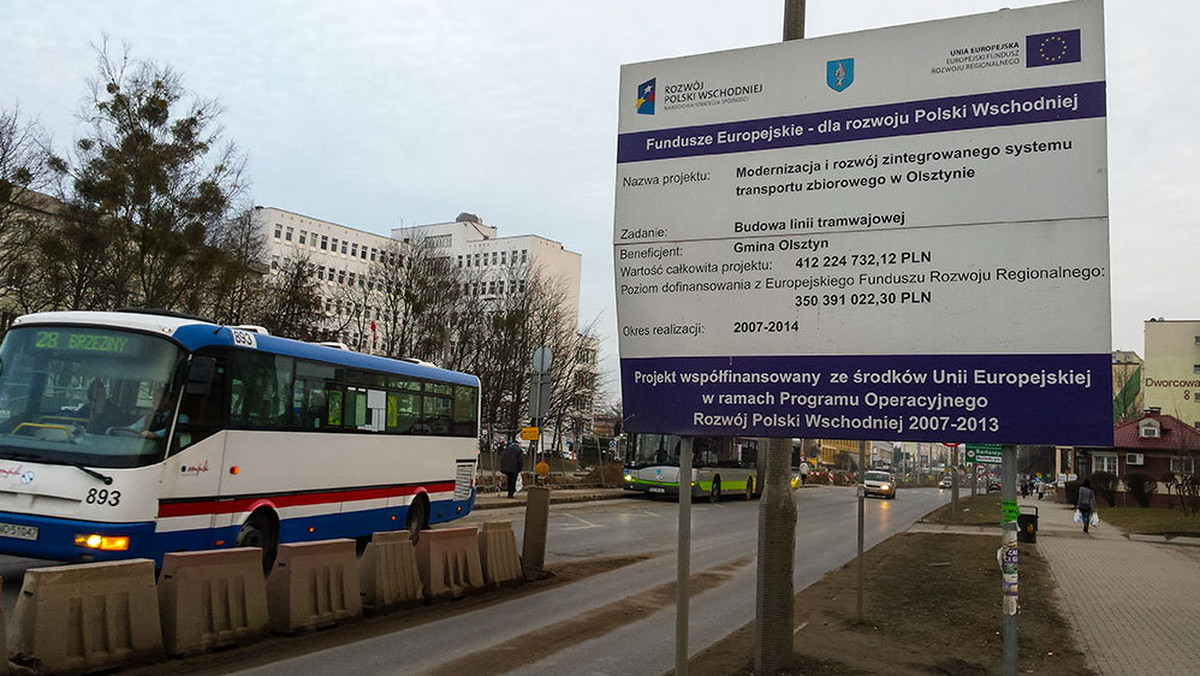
(84, 395)
(655, 449)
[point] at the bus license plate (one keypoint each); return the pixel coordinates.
(12, 530)
(657, 489)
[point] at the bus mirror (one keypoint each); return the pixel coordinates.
(200, 375)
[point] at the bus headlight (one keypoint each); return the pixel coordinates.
(108, 543)
(629, 477)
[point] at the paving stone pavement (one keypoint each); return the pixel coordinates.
(1134, 606)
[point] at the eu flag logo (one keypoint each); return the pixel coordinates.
(1051, 49)
(645, 98)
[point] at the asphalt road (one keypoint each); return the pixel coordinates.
(724, 538)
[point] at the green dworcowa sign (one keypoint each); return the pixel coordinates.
(986, 454)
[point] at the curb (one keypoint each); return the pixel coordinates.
(1182, 540)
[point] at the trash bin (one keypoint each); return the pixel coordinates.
(1027, 524)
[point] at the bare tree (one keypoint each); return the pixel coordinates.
(22, 209)
(234, 292)
(293, 307)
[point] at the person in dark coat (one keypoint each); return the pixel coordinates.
(1087, 503)
(510, 465)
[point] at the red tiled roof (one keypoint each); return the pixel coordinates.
(1175, 435)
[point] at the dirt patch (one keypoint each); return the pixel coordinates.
(931, 606)
(978, 510)
(283, 647)
(515, 653)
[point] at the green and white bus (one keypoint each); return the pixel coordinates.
(720, 466)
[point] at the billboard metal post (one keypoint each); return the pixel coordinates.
(862, 496)
(684, 556)
(1008, 557)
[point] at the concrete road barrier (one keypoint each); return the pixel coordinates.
(498, 553)
(212, 599)
(87, 617)
(313, 585)
(448, 560)
(387, 571)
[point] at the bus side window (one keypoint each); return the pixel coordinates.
(333, 416)
(200, 412)
(466, 407)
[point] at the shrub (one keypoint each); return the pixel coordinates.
(1141, 487)
(1071, 492)
(1105, 485)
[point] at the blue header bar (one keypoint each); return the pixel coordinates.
(929, 116)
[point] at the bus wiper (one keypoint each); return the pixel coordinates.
(18, 455)
(86, 470)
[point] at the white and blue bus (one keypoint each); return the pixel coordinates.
(134, 434)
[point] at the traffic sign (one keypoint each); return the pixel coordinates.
(984, 454)
(529, 433)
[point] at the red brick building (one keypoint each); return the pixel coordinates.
(1153, 444)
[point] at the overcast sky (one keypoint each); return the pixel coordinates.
(377, 114)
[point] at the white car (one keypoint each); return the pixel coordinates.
(879, 483)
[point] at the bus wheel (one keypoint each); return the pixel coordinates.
(260, 531)
(418, 518)
(714, 493)
(749, 488)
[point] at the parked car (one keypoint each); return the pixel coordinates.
(879, 483)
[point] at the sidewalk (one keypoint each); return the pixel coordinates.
(1134, 606)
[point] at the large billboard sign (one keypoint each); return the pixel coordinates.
(899, 234)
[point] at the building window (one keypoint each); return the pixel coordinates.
(1195, 368)
(344, 246)
(524, 255)
(460, 261)
(363, 253)
(321, 272)
(303, 236)
(503, 258)
(354, 250)
(495, 256)
(288, 236)
(351, 279)
(491, 288)
(1183, 464)
(278, 231)
(476, 260)
(1104, 462)
(341, 276)
(330, 275)
(324, 242)
(373, 254)
(522, 286)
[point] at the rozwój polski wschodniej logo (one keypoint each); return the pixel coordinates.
(645, 97)
(1051, 49)
(839, 74)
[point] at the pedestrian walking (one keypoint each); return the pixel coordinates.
(510, 465)
(1086, 503)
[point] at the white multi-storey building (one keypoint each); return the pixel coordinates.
(498, 262)
(342, 258)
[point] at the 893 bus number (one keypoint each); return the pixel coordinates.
(103, 496)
